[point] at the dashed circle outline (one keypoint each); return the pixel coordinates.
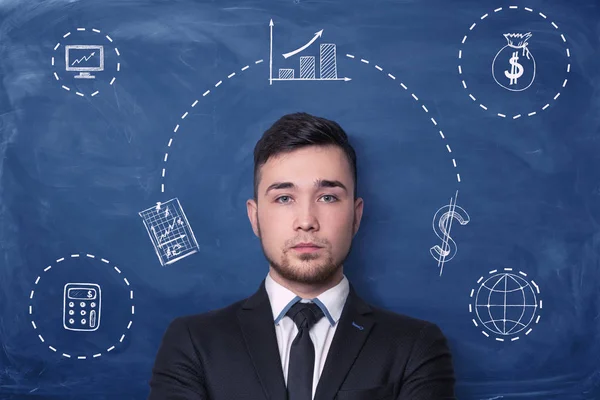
(511, 270)
(68, 89)
(81, 357)
(364, 61)
(532, 113)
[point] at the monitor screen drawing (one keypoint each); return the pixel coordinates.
(84, 59)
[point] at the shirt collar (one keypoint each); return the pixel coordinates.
(331, 301)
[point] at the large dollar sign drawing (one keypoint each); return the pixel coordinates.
(516, 69)
(442, 224)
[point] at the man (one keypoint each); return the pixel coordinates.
(305, 334)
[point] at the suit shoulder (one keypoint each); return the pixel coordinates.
(214, 318)
(404, 324)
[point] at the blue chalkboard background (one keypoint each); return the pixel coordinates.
(81, 158)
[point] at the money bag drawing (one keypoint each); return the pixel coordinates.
(513, 67)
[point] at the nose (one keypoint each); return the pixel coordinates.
(306, 219)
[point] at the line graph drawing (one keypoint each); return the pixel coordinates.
(291, 53)
(169, 231)
(84, 59)
(99, 55)
(327, 62)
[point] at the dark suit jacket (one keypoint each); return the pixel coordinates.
(232, 354)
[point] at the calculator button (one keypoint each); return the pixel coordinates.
(93, 319)
(71, 312)
(82, 304)
(71, 321)
(71, 304)
(83, 321)
(92, 304)
(83, 312)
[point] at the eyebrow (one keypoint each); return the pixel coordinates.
(319, 183)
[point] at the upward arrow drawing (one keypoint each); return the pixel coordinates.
(291, 53)
(84, 58)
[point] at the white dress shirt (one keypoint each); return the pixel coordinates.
(331, 302)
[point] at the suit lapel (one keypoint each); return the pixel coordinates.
(347, 342)
(258, 328)
(256, 321)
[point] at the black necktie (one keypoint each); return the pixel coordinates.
(302, 352)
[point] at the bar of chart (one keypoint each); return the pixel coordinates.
(307, 65)
(327, 66)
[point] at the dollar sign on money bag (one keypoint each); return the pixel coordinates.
(442, 221)
(516, 70)
(514, 66)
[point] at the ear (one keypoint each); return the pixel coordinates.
(358, 212)
(252, 209)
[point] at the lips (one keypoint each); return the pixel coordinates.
(306, 248)
(306, 245)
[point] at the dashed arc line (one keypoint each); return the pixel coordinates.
(68, 89)
(364, 61)
(414, 96)
(60, 260)
(537, 320)
(185, 114)
(460, 54)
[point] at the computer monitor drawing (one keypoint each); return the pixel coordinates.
(84, 59)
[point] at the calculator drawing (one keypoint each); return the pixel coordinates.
(81, 306)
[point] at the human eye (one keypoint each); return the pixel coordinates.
(331, 196)
(281, 197)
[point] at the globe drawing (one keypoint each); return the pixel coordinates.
(505, 304)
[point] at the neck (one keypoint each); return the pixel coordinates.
(308, 290)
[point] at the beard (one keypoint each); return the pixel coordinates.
(305, 271)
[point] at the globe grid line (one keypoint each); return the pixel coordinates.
(507, 277)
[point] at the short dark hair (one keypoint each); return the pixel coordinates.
(297, 130)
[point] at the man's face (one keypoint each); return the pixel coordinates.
(301, 199)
